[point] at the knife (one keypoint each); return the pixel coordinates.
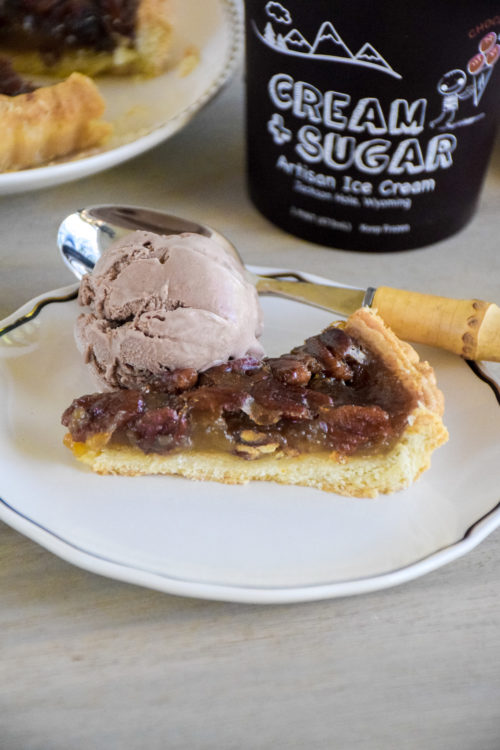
(469, 328)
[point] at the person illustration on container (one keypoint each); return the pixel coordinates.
(452, 87)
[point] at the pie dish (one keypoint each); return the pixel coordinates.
(210, 540)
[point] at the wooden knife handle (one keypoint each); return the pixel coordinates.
(470, 328)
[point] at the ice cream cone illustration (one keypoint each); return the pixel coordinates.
(481, 65)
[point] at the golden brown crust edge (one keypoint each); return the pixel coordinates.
(154, 36)
(355, 476)
(149, 56)
(352, 477)
(51, 122)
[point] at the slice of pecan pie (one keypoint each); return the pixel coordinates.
(353, 411)
(40, 124)
(58, 37)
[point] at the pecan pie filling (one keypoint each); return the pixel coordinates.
(330, 394)
(11, 83)
(53, 26)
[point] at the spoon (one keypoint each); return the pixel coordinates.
(470, 328)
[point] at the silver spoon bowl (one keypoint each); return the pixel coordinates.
(84, 235)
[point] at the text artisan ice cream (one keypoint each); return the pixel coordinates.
(160, 303)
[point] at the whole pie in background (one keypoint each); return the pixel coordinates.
(71, 41)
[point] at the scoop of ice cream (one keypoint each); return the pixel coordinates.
(160, 303)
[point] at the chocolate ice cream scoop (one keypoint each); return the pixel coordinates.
(161, 303)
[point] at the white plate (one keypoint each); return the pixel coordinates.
(145, 113)
(257, 543)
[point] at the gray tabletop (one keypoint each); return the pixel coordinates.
(88, 662)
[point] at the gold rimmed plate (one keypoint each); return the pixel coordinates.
(260, 542)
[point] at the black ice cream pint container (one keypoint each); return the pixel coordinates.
(370, 124)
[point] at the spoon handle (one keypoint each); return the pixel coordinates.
(470, 328)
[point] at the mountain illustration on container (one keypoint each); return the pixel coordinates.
(327, 45)
(329, 42)
(295, 41)
(370, 54)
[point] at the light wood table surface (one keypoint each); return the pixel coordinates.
(91, 663)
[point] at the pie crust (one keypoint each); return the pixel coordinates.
(362, 475)
(147, 54)
(51, 122)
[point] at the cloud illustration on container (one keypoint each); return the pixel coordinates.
(278, 12)
(328, 45)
